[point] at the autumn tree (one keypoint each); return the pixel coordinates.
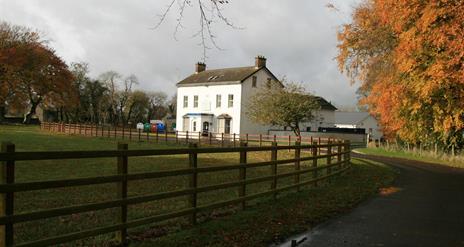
(32, 72)
(408, 56)
(287, 106)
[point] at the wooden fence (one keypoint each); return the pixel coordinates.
(337, 160)
(212, 139)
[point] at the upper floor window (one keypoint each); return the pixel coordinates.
(195, 101)
(254, 81)
(218, 100)
(268, 83)
(231, 100)
(186, 101)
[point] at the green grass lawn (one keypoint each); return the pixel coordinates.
(440, 159)
(32, 139)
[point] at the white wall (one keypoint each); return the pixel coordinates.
(246, 125)
(207, 104)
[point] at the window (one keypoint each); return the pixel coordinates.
(268, 84)
(227, 126)
(186, 101)
(218, 100)
(195, 101)
(194, 126)
(254, 80)
(231, 100)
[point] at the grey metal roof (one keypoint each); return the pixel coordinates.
(325, 105)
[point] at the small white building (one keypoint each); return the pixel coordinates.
(214, 100)
(359, 120)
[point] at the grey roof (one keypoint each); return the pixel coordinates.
(220, 75)
(350, 117)
(325, 105)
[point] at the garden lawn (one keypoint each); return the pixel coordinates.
(33, 139)
(292, 213)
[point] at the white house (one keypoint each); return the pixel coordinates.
(215, 100)
(359, 120)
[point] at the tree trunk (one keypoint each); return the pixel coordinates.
(32, 110)
(2, 113)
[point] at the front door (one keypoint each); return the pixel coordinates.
(227, 126)
(206, 127)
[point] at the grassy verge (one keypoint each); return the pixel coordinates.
(440, 159)
(272, 221)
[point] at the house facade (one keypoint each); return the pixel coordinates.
(215, 100)
(359, 120)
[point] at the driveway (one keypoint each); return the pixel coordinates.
(425, 207)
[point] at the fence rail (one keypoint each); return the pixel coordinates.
(211, 138)
(337, 161)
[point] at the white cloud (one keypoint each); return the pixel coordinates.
(297, 37)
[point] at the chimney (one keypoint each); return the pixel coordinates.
(260, 61)
(199, 67)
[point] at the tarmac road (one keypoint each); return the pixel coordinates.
(424, 207)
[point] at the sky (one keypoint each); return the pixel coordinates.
(297, 37)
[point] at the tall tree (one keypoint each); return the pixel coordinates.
(32, 71)
(409, 58)
(287, 107)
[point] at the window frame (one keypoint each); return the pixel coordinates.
(230, 101)
(195, 101)
(218, 100)
(185, 103)
(254, 81)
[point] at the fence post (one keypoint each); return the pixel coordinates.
(329, 159)
(130, 134)
(199, 138)
(210, 135)
(314, 166)
(222, 139)
(260, 140)
(177, 136)
(297, 163)
(103, 130)
(242, 172)
(348, 155)
(274, 168)
(339, 154)
(7, 199)
(234, 139)
(193, 164)
(121, 236)
(186, 137)
(114, 129)
(246, 137)
(123, 132)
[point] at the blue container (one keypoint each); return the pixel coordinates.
(160, 127)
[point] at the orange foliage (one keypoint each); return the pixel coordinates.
(408, 56)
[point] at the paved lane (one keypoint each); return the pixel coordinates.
(425, 208)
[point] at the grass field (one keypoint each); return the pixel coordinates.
(32, 139)
(426, 156)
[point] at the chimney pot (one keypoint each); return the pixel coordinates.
(260, 61)
(199, 67)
